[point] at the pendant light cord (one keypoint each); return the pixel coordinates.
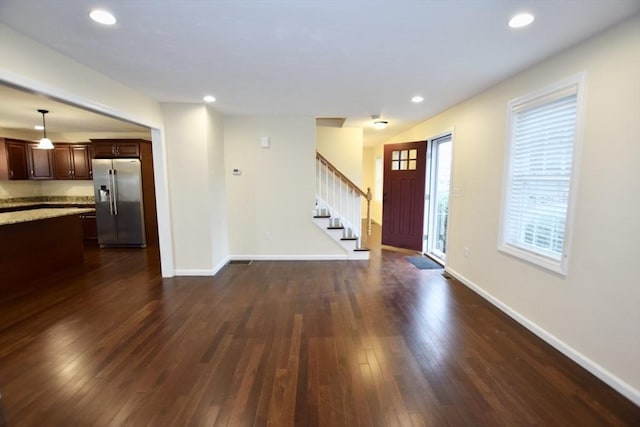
(44, 125)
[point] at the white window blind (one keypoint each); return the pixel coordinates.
(539, 176)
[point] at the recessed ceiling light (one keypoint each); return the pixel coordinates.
(38, 127)
(417, 99)
(521, 20)
(102, 17)
(209, 99)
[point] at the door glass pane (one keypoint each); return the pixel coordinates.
(413, 154)
(395, 165)
(404, 154)
(441, 209)
(395, 155)
(403, 165)
(412, 165)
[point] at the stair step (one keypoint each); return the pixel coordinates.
(344, 237)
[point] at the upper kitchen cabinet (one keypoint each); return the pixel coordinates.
(109, 148)
(72, 161)
(13, 160)
(40, 162)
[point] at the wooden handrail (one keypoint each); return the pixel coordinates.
(332, 168)
(367, 195)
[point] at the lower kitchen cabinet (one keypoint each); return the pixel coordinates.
(36, 249)
(89, 228)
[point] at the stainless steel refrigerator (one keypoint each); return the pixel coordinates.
(118, 193)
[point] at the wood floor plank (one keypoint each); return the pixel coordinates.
(286, 343)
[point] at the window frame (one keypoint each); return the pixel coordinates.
(574, 84)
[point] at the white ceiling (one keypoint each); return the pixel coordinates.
(325, 58)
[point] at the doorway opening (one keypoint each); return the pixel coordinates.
(439, 155)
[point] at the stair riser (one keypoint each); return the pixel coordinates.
(337, 234)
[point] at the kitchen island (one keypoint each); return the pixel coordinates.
(37, 242)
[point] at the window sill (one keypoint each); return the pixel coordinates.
(550, 264)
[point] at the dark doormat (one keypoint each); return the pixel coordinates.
(423, 263)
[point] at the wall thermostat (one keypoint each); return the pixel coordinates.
(237, 172)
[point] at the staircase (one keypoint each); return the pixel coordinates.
(338, 210)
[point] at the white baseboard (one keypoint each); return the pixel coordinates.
(195, 272)
(221, 264)
(616, 383)
(203, 272)
(336, 257)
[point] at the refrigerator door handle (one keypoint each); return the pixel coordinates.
(110, 192)
(115, 192)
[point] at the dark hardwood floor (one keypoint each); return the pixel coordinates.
(376, 343)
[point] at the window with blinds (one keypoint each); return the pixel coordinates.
(539, 179)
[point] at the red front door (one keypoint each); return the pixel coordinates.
(403, 194)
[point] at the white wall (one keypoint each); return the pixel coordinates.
(593, 314)
(187, 132)
(12, 189)
(28, 64)
(275, 193)
(218, 191)
(369, 155)
(87, 136)
(35, 135)
(343, 148)
(66, 188)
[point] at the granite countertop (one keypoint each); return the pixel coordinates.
(18, 202)
(36, 214)
(27, 204)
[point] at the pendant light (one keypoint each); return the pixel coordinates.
(45, 143)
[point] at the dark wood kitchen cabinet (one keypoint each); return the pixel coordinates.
(36, 249)
(72, 161)
(110, 149)
(40, 162)
(13, 160)
(89, 228)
